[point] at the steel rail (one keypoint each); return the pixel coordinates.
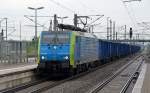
(22, 86)
(103, 84)
(133, 76)
(68, 79)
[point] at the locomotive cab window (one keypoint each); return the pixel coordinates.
(55, 38)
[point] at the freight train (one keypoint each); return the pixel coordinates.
(74, 51)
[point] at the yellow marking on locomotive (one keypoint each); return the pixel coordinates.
(72, 49)
(38, 50)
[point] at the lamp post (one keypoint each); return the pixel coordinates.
(35, 9)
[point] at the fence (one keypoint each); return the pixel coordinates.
(13, 52)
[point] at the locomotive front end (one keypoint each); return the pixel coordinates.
(54, 51)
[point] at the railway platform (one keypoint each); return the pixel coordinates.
(12, 68)
(143, 81)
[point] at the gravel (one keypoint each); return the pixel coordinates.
(85, 83)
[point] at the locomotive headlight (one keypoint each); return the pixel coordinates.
(55, 47)
(66, 57)
(43, 57)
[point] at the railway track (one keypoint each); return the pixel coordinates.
(134, 75)
(56, 83)
(52, 85)
(16, 78)
(44, 84)
(22, 86)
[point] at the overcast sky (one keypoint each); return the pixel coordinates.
(16, 9)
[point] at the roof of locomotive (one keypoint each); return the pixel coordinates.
(77, 33)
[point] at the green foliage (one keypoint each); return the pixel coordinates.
(32, 48)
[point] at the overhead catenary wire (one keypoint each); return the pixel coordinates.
(87, 7)
(72, 11)
(133, 14)
(96, 19)
(63, 6)
(128, 12)
(133, 17)
(34, 22)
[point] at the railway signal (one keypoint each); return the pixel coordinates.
(2, 33)
(130, 33)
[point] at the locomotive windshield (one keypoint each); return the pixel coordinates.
(55, 38)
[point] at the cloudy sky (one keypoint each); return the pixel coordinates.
(14, 10)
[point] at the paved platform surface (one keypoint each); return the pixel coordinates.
(143, 83)
(11, 68)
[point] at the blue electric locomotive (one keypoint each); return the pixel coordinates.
(66, 50)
